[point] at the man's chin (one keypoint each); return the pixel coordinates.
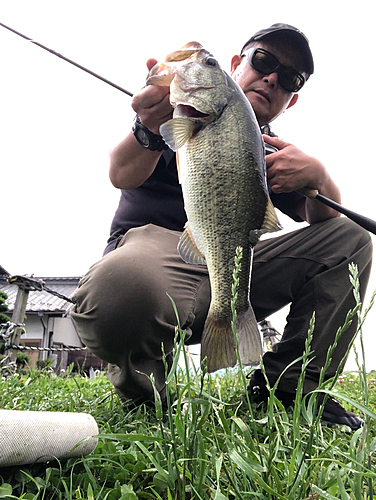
(261, 115)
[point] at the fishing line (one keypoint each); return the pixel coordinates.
(68, 60)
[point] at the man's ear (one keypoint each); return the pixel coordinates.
(235, 61)
(293, 100)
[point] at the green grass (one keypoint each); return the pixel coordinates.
(213, 443)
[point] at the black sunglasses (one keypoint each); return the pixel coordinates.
(264, 62)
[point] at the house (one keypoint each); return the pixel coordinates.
(48, 322)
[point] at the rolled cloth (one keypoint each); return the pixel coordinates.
(31, 436)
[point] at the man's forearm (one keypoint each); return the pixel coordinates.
(131, 164)
(314, 211)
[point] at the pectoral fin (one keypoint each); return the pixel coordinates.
(188, 250)
(178, 131)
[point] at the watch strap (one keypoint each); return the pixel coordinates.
(155, 141)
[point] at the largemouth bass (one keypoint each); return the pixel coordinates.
(221, 162)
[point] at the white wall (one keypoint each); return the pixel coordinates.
(65, 332)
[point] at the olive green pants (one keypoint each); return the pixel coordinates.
(123, 314)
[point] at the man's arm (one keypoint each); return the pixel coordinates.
(130, 163)
(289, 169)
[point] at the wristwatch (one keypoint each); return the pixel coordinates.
(146, 137)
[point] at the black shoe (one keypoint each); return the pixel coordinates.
(334, 413)
(258, 392)
(256, 388)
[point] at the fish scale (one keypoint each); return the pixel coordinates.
(222, 171)
(227, 190)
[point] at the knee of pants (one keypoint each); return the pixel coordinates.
(357, 242)
(120, 306)
(351, 233)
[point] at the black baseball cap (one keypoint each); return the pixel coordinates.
(288, 32)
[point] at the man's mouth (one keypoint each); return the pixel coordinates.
(263, 94)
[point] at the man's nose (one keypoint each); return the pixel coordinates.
(272, 79)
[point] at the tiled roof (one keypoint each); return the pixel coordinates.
(43, 300)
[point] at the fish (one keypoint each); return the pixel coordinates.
(221, 168)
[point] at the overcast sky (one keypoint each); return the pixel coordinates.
(57, 123)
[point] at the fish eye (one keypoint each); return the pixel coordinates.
(210, 61)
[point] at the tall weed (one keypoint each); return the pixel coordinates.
(210, 442)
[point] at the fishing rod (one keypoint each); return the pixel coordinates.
(68, 60)
(365, 222)
(313, 194)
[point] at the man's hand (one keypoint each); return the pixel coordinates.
(289, 169)
(130, 163)
(152, 104)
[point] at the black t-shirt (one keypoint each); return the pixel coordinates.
(159, 201)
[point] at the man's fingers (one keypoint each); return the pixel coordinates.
(150, 63)
(275, 141)
(149, 96)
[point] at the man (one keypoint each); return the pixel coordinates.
(122, 311)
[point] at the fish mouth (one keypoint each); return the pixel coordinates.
(184, 110)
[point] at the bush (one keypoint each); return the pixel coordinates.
(22, 360)
(44, 363)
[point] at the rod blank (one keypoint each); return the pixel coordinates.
(313, 194)
(365, 222)
(68, 60)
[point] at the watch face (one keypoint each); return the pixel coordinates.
(143, 137)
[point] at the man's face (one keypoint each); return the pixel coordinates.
(268, 99)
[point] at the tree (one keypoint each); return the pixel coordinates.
(3, 317)
(22, 358)
(3, 308)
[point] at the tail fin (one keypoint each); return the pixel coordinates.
(218, 343)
